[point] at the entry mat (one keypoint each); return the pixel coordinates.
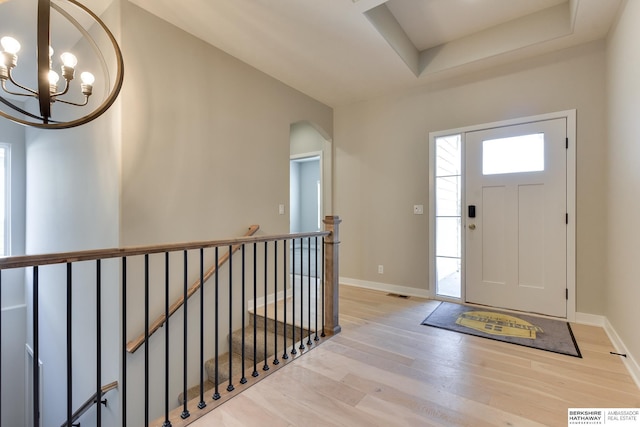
(536, 332)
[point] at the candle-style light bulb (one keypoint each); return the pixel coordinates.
(10, 45)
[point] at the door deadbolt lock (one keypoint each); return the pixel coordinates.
(472, 226)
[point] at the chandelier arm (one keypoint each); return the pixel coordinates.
(32, 92)
(4, 87)
(86, 101)
(55, 95)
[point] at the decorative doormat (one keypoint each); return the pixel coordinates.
(536, 332)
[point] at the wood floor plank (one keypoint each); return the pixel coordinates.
(386, 369)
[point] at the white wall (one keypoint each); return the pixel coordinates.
(381, 162)
(13, 309)
(623, 178)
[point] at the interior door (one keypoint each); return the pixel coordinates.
(516, 217)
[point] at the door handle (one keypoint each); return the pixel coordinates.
(472, 226)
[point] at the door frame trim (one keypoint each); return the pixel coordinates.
(310, 155)
(570, 116)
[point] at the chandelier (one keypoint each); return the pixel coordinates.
(16, 98)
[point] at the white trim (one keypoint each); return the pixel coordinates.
(601, 321)
(28, 375)
(630, 362)
(386, 287)
(570, 116)
(270, 299)
(311, 155)
(7, 198)
(294, 278)
(590, 319)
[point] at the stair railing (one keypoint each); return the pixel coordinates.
(134, 344)
(261, 275)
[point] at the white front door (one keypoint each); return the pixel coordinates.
(515, 214)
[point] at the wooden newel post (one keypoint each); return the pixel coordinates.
(331, 274)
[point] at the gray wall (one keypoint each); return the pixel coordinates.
(381, 162)
(623, 180)
(205, 154)
(212, 158)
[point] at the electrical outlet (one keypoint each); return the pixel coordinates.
(418, 209)
(381, 269)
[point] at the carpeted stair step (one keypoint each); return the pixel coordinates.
(223, 375)
(293, 332)
(223, 368)
(293, 335)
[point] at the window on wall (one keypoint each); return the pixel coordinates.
(448, 197)
(5, 156)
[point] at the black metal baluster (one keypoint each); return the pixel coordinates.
(230, 386)
(322, 284)
(0, 345)
(302, 347)
(69, 345)
(265, 367)
(98, 343)
(309, 343)
(293, 298)
(36, 351)
(146, 339)
(275, 303)
(255, 309)
(285, 356)
(185, 411)
(166, 423)
(216, 392)
(124, 341)
(315, 288)
(243, 380)
(201, 404)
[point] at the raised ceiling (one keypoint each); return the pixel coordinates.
(343, 51)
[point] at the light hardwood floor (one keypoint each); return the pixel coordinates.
(385, 369)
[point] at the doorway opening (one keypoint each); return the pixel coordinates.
(305, 196)
(310, 171)
(305, 201)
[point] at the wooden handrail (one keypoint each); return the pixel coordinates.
(96, 254)
(90, 402)
(133, 345)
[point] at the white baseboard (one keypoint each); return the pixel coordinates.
(385, 287)
(590, 319)
(596, 320)
(630, 362)
(270, 299)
